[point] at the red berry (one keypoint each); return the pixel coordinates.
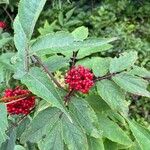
(3, 24)
(22, 105)
(80, 79)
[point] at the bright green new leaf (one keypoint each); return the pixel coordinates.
(19, 147)
(84, 113)
(95, 144)
(112, 131)
(141, 135)
(3, 123)
(3, 41)
(132, 84)
(125, 61)
(48, 28)
(36, 81)
(80, 33)
(112, 95)
(69, 14)
(28, 12)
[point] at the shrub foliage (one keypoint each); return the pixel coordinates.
(66, 118)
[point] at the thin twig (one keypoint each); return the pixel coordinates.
(19, 121)
(47, 71)
(17, 100)
(108, 76)
(147, 78)
(8, 14)
(73, 59)
(27, 58)
(68, 97)
(5, 99)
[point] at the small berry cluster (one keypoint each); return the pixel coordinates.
(79, 79)
(3, 24)
(22, 105)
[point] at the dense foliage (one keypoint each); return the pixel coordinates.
(86, 63)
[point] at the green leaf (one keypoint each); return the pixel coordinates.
(139, 71)
(61, 18)
(5, 61)
(112, 131)
(42, 105)
(48, 28)
(10, 142)
(132, 84)
(50, 127)
(4, 1)
(135, 147)
(20, 38)
(109, 145)
(80, 33)
(22, 126)
(36, 81)
(90, 46)
(112, 95)
(83, 52)
(52, 42)
(69, 14)
(3, 123)
(100, 66)
(85, 115)
(28, 12)
(6, 68)
(98, 104)
(141, 134)
(62, 41)
(4, 41)
(56, 62)
(125, 61)
(73, 135)
(54, 139)
(95, 144)
(19, 147)
(41, 124)
(20, 41)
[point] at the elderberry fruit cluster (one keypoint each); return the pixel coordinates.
(21, 105)
(3, 24)
(80, 79)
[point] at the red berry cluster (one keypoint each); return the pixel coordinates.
(3, 24)
(19, 105)
(79, 79)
